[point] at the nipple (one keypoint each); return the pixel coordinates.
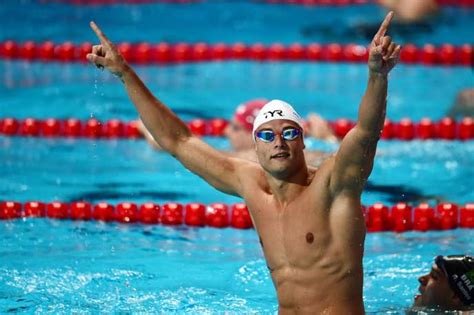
(309, 237)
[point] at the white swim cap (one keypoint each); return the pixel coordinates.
(276, 109)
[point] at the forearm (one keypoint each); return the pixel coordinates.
(165, 127)
(373, 106)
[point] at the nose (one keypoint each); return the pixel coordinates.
(423, 279)
(279, 142)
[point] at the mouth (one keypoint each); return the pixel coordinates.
(281, 155)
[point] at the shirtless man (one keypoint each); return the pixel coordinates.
(309, 220)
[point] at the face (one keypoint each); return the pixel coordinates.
(280, 157)
(435, 291)
(239, 137)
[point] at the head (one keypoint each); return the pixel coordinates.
(239, 129)
(278, 135)
(449, 285)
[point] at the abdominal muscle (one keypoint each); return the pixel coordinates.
(316, 290)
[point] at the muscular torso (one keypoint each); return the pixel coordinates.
(313, 247)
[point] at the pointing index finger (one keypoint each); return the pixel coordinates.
(104, 40)
(384, 26)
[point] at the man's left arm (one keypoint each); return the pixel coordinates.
(354, 159)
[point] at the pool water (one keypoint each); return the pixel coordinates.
(89, 267)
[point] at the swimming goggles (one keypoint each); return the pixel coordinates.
(288, 134)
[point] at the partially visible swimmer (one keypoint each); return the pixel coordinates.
(448, 288)
(309, 220)
(239, 132)
(463, 105)
(411, 11)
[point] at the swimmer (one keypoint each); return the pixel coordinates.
(463, 105)
(411, 11)
(309, 219)
(239, 133)
(449, 286)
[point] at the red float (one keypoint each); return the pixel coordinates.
(401, 217)
(30, 127)
(65, 52)
(217, 215)
(448, 54)
(34, 209)
(131, 130)
(296, 52)
(149, 213)
(9, 126)
(466, 55)
(181, 52)
(276, 52)
(72, 127)
(405, 130)
(425, 129)
(81, 211)
(333, 52)
(314, 52)
(217, 126)
(378, 218)
(83, 50)
(57, 210)
(113, 129)
(9, 49)
(448, 214)
(220, 51)
(103, 212)
(342, 127)
(424, 218)
(10, 210)
(240, 217)
(195, 214)
(201, 52)
(162, 52)
(467, 216)
(142, 53)
(93, 128)
(51, 127)
(429, 54)
(28, 50)
(466, 128)
(198, 127)
(258, 52)
(387, 131)
(172, 214)
(239, 51)
(409, 54)
(46, 51)
(447, 128)
(126, 212)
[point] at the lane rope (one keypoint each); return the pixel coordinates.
(166, 53)
(379, 217)
(405, 129)
(464, 3)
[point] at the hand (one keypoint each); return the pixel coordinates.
(106, 54)
(383, 53)
(320, 128)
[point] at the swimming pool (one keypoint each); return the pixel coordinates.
(64, 266)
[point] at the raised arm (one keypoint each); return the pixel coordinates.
(167, 129)
(354, 159)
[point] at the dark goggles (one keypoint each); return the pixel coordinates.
(268, 135)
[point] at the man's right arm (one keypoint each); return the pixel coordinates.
(170, 132)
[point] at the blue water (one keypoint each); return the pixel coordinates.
(246, 21)
(88, 267)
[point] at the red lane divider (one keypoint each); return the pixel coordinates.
(165, 53)
(405, 129)
(400, 217)
(464, 3)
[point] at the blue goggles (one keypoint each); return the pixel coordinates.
(268, 135)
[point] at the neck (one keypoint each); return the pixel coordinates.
(286, 188)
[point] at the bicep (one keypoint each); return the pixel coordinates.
(354, 160)
(218, 169)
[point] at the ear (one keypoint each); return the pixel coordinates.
(456, 300)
